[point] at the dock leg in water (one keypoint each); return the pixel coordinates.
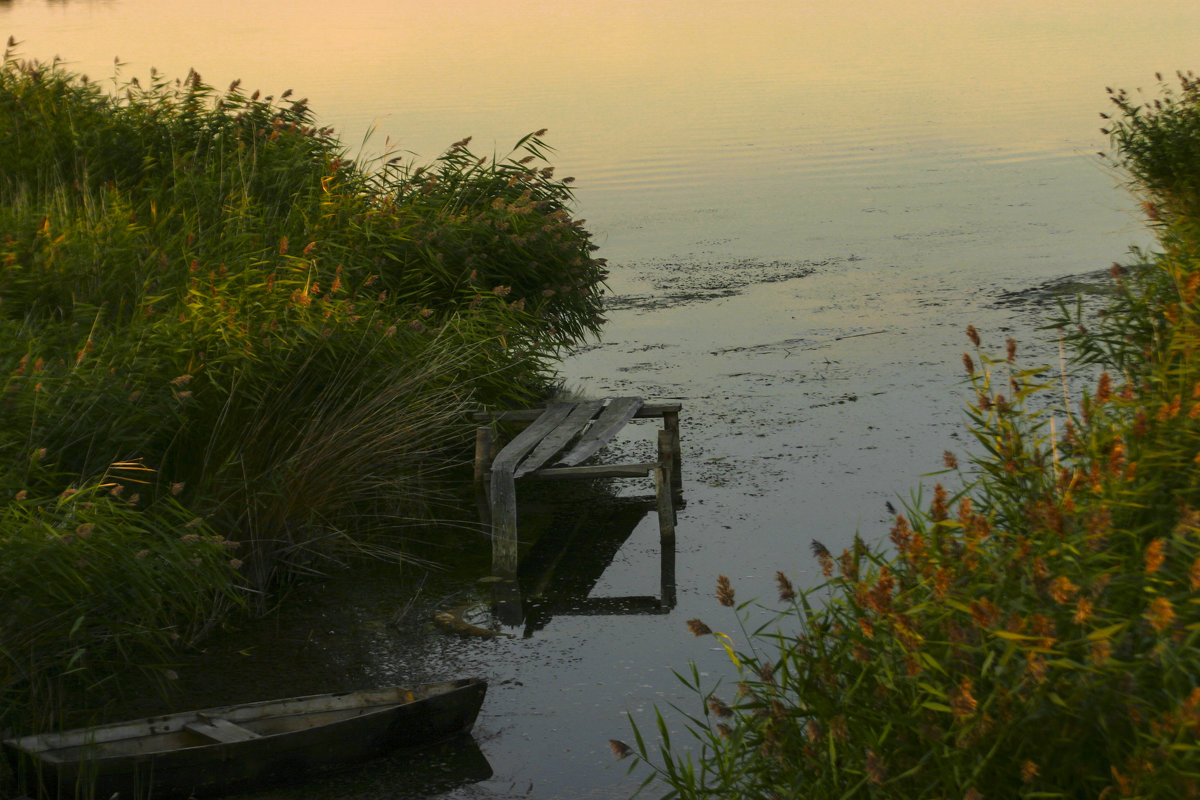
(671, 426)
(485, 452)
(662, 488)
(504, 523)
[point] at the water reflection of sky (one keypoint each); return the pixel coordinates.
(927, 159)
(623, 77)
(668, 104)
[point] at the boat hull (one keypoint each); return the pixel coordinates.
(284, 740)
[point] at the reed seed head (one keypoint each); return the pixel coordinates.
(1100, 650)
(1155, 555)
(876, 773)
(1083, 611)
(962, 700)
(939, 511)
(786, 592)
(1160, 613)
(1062, 590)
(619, 748)
(724, 591)
(824, 558)
(719, 707)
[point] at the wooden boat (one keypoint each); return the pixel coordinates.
(240, 747)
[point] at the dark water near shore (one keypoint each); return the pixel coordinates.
(804, 203)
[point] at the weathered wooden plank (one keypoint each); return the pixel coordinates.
(647, 411)
(581, 414)
(528, 439)
(504, 490)
(220, 730)
(614, 417)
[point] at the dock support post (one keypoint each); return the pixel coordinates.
(663, 488)
(485, 451)
(504, 522)
(671, 426)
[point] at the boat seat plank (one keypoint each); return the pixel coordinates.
(581, 414)
(220, 730)
(615, 416)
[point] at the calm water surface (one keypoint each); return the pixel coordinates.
(803, 203)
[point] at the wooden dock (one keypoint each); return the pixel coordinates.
(554, 444)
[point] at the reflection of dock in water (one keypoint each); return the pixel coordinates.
(576, 545)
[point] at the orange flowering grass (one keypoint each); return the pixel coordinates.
(1035, 632)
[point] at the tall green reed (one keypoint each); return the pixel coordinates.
(202, 283)
(96, 579)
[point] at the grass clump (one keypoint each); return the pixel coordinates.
(224, 345)
(1034, 635)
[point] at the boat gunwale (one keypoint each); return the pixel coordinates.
(47, 747)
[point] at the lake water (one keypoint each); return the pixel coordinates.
(803, 202)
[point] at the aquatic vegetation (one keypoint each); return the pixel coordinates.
(1155, 144)
(1034, 634)
(281, 340)
(97, 578)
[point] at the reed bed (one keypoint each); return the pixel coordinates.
(1034, 635)
(225, 347)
